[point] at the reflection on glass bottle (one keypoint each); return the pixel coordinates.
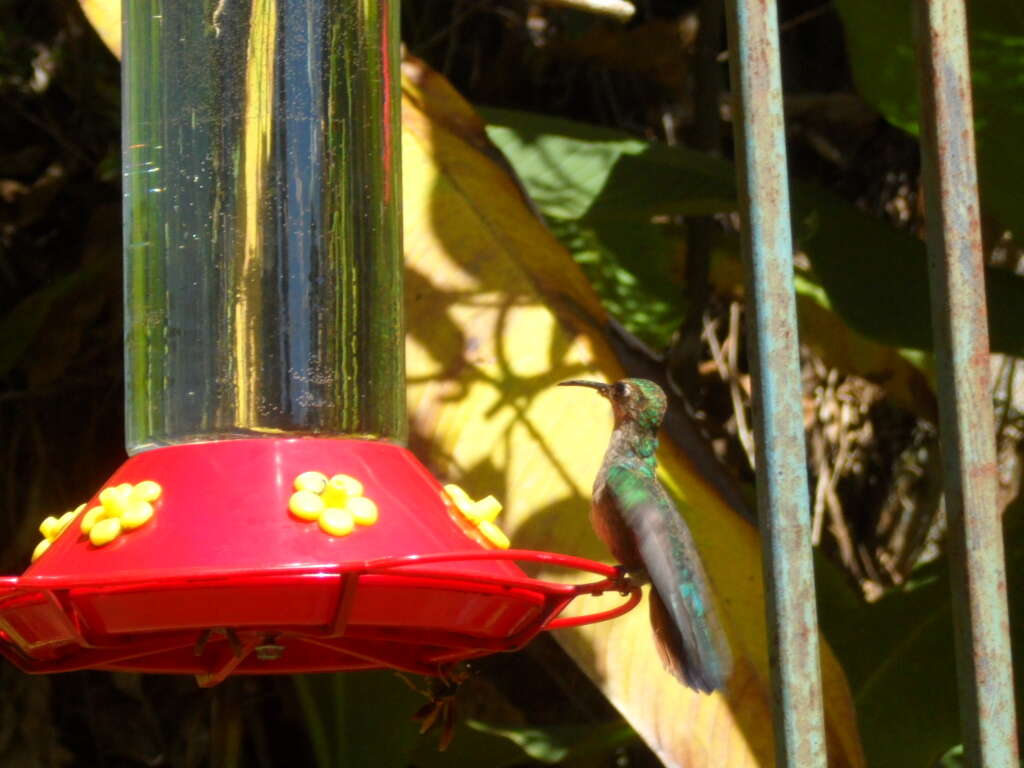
(262, 220)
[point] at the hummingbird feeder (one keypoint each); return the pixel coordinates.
(268, 518)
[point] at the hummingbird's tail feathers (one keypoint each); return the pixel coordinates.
(686, 628)
(690, 659)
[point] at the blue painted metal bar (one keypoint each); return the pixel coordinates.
(783, 503)
(977, 563)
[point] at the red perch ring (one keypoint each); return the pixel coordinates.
(221, 578)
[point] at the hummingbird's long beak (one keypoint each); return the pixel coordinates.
(601, 387)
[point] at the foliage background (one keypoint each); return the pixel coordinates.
(620, 134)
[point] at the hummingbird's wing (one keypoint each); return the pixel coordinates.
(690, 640)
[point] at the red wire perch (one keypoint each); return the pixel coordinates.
(224, 579)
(612, 581)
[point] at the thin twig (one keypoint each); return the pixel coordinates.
(746, 433)
(841, 532)
(735, 393)
(1007, 371)
(820, 493)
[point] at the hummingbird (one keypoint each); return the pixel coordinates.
(640, 525)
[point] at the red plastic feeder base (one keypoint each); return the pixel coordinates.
(223, 579)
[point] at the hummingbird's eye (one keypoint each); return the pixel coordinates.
(619, 389)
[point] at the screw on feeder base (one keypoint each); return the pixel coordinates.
(269, 650)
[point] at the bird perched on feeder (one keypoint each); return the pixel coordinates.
(643, 530)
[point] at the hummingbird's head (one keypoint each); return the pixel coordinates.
(637, 400)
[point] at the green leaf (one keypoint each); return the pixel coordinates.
(565, 175)
(466, 749)
(875, 277)
(557, 744)
(899, 656)
(582, 178)
(574, 170)
(359, 718)
(507, 746)
(954, 758)
(650, 309)
(879, 40)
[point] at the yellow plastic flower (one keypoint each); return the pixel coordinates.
(479, 514)
(52, 528)
(122, 508)
(337, 503)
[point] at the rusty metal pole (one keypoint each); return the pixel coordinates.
(782, 494)
(977, 564)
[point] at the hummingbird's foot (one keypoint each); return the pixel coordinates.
(627, 580)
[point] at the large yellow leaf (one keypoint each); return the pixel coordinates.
(105, 17)
(498, 314)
